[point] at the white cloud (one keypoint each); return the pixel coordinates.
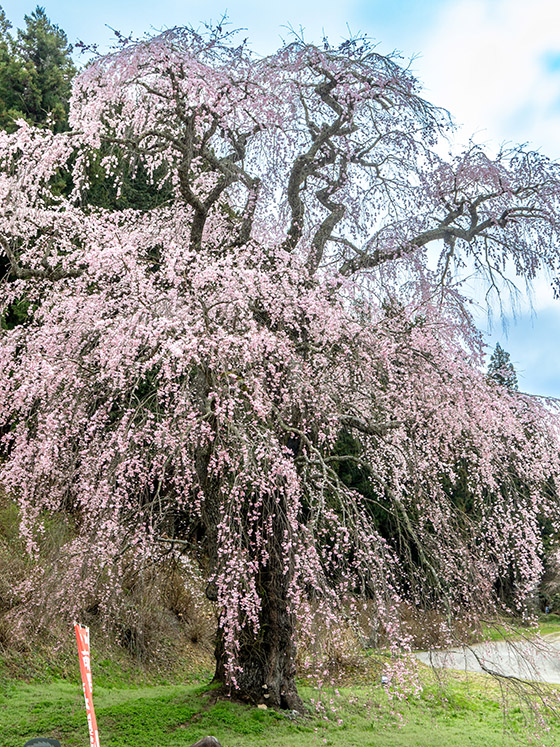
(486, 61)
(489, 63)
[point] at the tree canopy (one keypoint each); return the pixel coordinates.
(196, 372)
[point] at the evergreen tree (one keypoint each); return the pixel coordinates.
(46, 55)
(12, 77)
(501, 369)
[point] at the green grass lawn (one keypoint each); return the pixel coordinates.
(545, 625)
(549, 624)
(465, 712)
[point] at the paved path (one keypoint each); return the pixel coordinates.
(529, 660)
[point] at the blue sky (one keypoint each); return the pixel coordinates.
(88, 21)
(495, 64)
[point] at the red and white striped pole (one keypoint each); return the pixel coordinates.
(82, 636)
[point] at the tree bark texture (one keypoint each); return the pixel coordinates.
(267, 659)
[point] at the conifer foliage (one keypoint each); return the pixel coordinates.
(11, 74)
(187, 367)
(36, 72)
(501, 369)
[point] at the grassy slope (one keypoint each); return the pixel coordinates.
(175, 715)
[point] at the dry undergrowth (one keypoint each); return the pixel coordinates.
(155, 617)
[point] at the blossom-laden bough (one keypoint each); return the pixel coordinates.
(188, 374)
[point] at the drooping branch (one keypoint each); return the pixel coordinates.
(46, 272)
(369, 428)
(449, 230)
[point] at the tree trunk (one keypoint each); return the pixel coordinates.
(268, 660)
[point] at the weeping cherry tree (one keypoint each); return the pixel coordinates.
(186, 371)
